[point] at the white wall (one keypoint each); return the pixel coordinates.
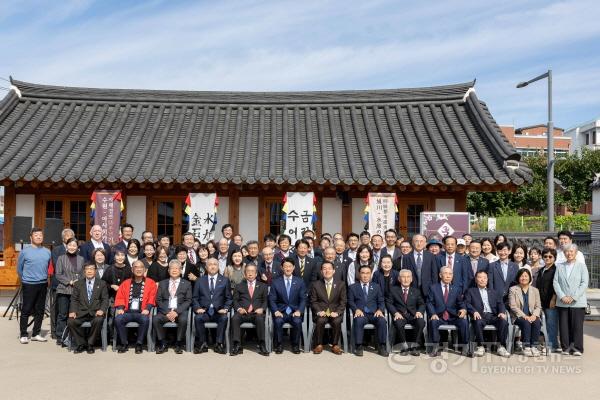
(331, 219)
(25, 206)
(249, 218)
(446, 205)
(222, 215)
(135, 207)
(358, 214)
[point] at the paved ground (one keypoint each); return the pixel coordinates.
(44, 371)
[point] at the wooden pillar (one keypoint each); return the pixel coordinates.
(460, 204)
(8, 274)
(234, 209)
(347, 217)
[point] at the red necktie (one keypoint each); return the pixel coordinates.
(450, 260)
(446, 316)
(251, 291)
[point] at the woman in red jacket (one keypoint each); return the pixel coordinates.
(133, 303)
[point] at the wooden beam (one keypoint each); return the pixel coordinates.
(8, 274)
(234, 209)
(347, 218)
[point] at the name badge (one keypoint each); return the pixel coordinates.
(173, 302)
(135, 305)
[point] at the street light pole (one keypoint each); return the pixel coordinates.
(550, 152)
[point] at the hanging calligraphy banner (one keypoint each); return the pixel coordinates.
(107, 206)
(300, 213)
(381, 211)
(202, 211)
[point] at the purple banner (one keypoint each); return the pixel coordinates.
(436, 225)
(107, 214)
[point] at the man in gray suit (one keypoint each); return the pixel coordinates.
(89, 303)
(173, 300)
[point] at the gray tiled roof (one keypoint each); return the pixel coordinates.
(437, 135)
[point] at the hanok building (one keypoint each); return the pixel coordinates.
(430, 145)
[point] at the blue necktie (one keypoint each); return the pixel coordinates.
(89, 290)
(366, 297)
(288, 310)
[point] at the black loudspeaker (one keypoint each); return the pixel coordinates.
(21, 229)
(53, 231)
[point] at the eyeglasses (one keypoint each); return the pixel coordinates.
(548, 256)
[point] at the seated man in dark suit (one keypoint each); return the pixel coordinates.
(367, 305)
(406, 306)
(94, 243)
(287, 301)
(269, 267)
(445, 306)
(250, 304)
(173, 300)
(502, 274)
(211, 303)
(89, 303)
(328, 305)
(486, 307)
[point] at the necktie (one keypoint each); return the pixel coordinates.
(366, 297)
(328, 289)
(288, 286)
(339, 257)
(419, 266)
(251, 292)
(212, 286)
(446, 316)
(376, 259)
(450, 260)
(89, 290)
(405, 295)
(474, 266)
(192, 256)
(172, 289)
(302, 268)
(268, 269)
(505, 270)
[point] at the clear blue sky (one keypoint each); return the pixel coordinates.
(320, 45)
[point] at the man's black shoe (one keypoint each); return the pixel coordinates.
(91, 350)
(263, 349)
(122, 349)
(358, 351)
(138, 349)
(383, 350)
(79, 349)
(220, 349)
(161, 349)
(236, 349)
(296, 349)
(178, 349)
(279, 349)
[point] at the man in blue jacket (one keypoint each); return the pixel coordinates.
(32, 267)
(367, 305)
(287, 302)
(445, 306)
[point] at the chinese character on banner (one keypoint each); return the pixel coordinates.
(439, 224)
(202, 209)
(107, 206)
(300, 213)
(381, 211)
